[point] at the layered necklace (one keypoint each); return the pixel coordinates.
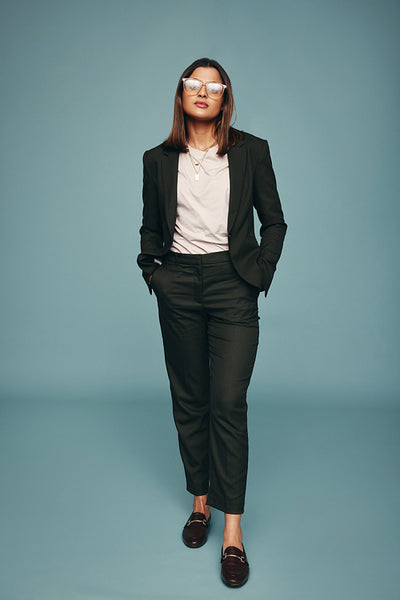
(196, 163)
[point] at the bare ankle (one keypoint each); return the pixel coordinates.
(233, 540)
(200, 505)
(233, 535)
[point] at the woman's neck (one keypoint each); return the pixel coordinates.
(200, 135)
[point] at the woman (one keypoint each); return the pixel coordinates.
(200, 256)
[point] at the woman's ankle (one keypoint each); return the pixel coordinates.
(200, 505)
(233, 540)
(233, 535)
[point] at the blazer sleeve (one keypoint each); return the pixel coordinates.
(269, 210)
(151, 234)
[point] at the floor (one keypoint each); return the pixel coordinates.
(92, 503)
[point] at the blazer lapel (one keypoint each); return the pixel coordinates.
(237, 167)
(170, 181)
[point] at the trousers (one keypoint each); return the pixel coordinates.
(209, 323)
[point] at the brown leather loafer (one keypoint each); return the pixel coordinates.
(235, 568)
(194, 533)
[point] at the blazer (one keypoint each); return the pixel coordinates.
(252, 184)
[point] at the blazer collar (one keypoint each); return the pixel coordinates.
(237, 166)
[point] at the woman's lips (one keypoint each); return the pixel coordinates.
(201, 104)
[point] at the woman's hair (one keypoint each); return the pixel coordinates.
(225, 134)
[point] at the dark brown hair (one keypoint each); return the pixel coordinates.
(225, 134)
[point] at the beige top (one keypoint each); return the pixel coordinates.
(201, 223)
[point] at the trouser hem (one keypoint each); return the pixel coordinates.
(197, 491)
(234, 508)
(231, 508)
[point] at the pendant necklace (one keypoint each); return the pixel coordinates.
(196, 163)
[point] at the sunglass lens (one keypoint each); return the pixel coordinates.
(214, 89)
(192, 85)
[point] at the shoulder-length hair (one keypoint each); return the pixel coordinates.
(225, 134)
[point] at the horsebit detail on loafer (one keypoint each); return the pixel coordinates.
(241, 558)
(203, 521)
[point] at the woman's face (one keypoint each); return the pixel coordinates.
(200, 106)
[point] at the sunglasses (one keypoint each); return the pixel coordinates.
(193, 86)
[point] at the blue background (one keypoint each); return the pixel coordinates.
(87, 86)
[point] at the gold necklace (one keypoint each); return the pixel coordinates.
(198, 164)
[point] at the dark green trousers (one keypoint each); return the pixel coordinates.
(209, 324)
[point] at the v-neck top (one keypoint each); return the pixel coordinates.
(201, 224)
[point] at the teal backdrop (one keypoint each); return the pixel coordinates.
(93, 498)
(87, 86)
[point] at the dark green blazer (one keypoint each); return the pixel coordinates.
(252, 184)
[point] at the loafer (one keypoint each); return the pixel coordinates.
(195, 531)
(235, 568)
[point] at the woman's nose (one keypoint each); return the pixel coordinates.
(201, 92)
